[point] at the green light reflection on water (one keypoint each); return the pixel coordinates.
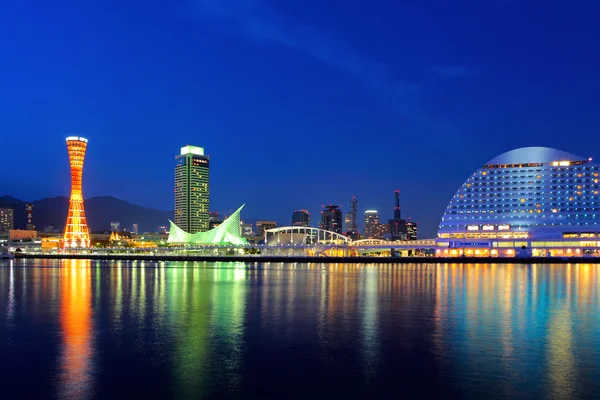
(206, 307)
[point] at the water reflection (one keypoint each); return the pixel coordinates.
(10, 311)
(189, 330)
(206, 307)
(530, 325)
(76, 323)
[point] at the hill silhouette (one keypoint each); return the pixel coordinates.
(100, 211)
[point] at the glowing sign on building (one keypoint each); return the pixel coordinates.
(472, 227)
(488, 227)
(503, 227)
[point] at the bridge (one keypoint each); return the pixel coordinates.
(333, 243)
(303, 235)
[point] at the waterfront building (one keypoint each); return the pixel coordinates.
(247, 229)
(331, 218)
(531, 201)
(350, 221)
(214, 219)
(371, 220)
(7, 219)
(228, 233)
(77, 233)
(301, 218)
(380, 231)
(22, 234)
(135, 229)
(411, 230)
(262, 226)
(192, 189)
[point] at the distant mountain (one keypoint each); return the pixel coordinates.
(100, 211)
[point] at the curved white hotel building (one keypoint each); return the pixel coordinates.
(532, 201)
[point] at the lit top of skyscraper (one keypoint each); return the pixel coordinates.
(195, 150)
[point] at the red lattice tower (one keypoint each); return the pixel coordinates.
(77, 234)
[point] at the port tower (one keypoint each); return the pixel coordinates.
(77, 234)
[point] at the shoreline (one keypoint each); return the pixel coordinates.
(321, 260)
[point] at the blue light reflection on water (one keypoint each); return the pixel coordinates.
(83, 329)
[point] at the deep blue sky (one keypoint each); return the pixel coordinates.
(299, 103)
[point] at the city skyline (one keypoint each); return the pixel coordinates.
(441, 95)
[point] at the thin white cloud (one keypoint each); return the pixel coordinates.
(258, 21)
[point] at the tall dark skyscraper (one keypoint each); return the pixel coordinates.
(301, 218)
(396, 204)
(192, 190)
(331, 218)
(351, 226)
(6, 219)
(396, 224)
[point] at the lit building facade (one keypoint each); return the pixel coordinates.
(301, 218)
(533, 201)
(262, 226)
(380, 231)
(77, 234)
(331, 219)
(7, 219)
(192, 189)
(371, 221)
(246, 229)
(411, 230)
(214, 219)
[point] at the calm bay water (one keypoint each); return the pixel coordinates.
(86, 329)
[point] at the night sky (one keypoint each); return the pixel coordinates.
(299, 103)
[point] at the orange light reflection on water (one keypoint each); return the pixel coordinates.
(76, 325)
